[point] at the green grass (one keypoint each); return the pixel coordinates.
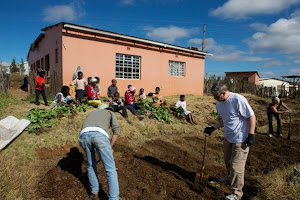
(5, 101)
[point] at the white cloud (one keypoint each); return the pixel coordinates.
(59, 13)
(225, 52)
(66, 13)
(127, 2)
(275, 63)
(259, 26)
(282, 36)
(169, 34)
(241, 9)
(295, 70)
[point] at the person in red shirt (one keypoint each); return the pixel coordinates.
(130, 102)
(40, 88)
(92, 90)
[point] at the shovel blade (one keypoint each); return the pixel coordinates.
(200, 182)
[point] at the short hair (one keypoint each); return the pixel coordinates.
(116, 94)
(181, 96)
(79, 73)
(41, 72)
(89, 78)
(219, 88)
(97, 78)
(275, 100)
(157, 88)
(129, 86)
(64, 88)
(113, 80)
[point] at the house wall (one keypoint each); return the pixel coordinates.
(47, 45)
(275, 83)
(52, 40)
(252, 77)
(98, 58)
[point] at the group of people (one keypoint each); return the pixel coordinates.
(90, 90)
(237, 118)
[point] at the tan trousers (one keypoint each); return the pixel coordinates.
(235, 156)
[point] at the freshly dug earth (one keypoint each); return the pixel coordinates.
(165, 168)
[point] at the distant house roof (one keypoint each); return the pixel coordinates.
(263, 79)
(126, 37)
(244, 72)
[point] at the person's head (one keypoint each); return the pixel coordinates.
(275, 100)
(94, 82)
(182, 97)
(157, 90)
(142, 91)
(80, 75)
(98, 79)
(89, 80)
(114, 82)
(117, 95)
(132, 89)
(65, 90)
(220, 92)
(129, 86)
(42, 73)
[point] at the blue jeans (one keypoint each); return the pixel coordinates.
(133, 108)
(91, 141)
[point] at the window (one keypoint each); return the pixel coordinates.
(127, 66)
(245, 78)
(176, 68)
(47, 65)
(42, 63)
(56, 56)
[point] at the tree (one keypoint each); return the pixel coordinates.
(13, 66)
(22, 68)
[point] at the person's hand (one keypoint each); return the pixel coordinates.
(250, 140)
(112, 151)
(208, 130)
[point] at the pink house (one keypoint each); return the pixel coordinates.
(251, 76)
(131, 60)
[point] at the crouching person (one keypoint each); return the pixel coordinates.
(94, 136)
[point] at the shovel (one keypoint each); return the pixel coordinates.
(290, 126)
(201, 179)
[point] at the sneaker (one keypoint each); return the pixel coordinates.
(270, 135)
(280, 135)
(232, 197)
(93, 195)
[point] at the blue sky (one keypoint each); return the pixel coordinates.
(243, 35)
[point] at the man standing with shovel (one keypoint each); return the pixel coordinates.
(238, 120)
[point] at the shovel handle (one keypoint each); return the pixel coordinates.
(203, 161)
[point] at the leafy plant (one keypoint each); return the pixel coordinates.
(42, 118)
(160, 113)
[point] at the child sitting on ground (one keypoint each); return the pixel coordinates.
(188, 114)
(117, 104)
(63, 98)
(142, 95)
(93, 98)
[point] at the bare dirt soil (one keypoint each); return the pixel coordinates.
(165, 168)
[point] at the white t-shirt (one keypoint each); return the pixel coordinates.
(235, 112)
(181, 104)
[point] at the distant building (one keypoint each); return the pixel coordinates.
(251, 76)
(281, 86)
(131, 60)
(5, 67)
